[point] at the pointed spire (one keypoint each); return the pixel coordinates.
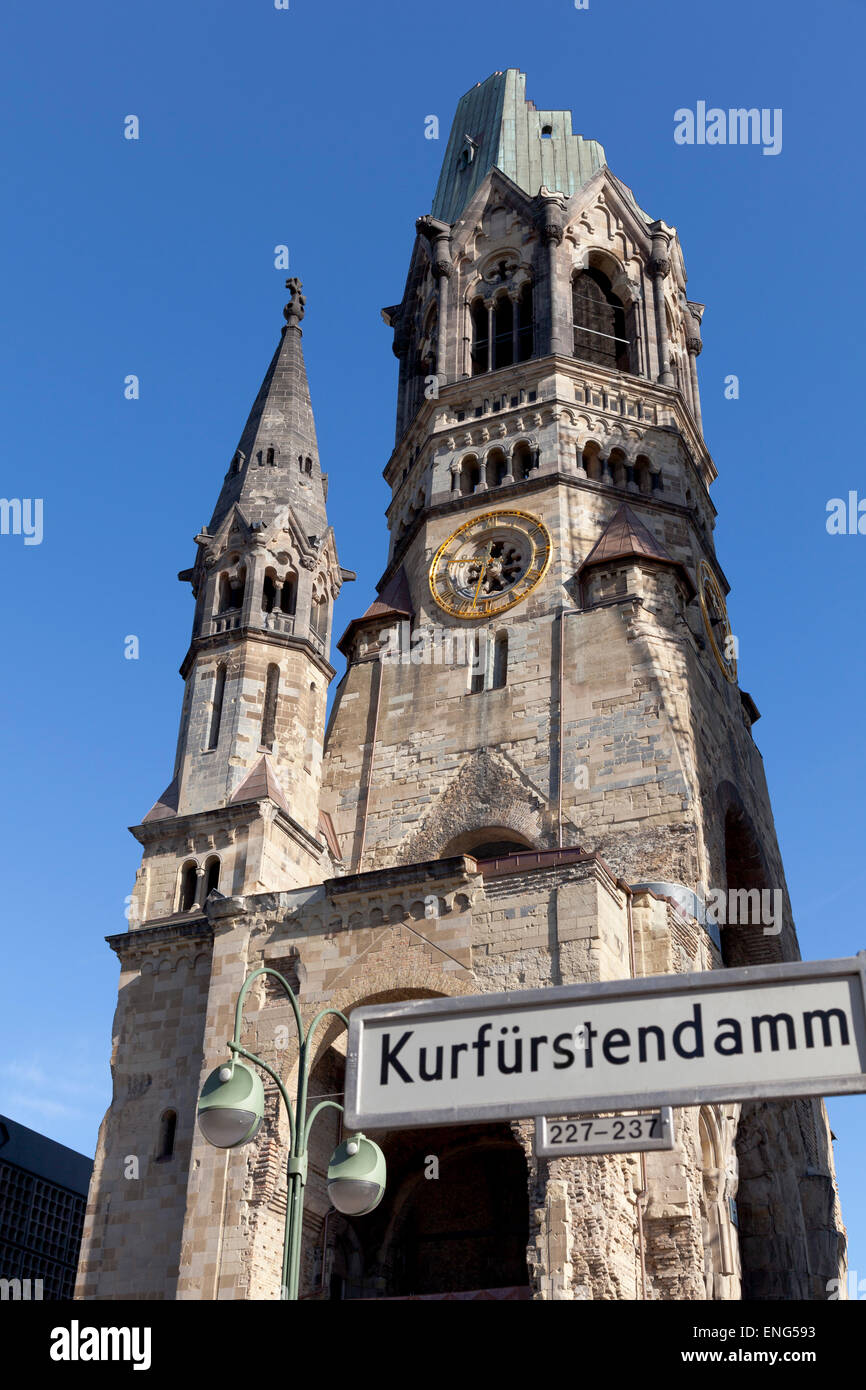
(277, 458)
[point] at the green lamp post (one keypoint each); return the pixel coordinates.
(230, 1111)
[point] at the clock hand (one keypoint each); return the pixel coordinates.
(481, 576)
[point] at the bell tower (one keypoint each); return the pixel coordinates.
(241, 813)
(540, 769)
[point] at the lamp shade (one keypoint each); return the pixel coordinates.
(231, 1110)
(356, 1176)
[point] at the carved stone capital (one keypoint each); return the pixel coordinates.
(659, 266)
(694, 346)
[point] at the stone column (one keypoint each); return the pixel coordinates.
(438, 235)
(552, 233)
(659, 267)
(695, 345)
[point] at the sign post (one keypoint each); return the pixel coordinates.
(789, 1029)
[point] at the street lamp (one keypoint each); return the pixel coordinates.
(230, 1111)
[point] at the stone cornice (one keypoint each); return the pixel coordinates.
(235, 813)
(153, 935)
(252, 634)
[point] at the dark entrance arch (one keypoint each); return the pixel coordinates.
(455, 1218)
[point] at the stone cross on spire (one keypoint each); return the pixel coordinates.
(294, 310)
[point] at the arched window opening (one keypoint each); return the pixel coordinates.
(503, 332)
(642, 474)
(522, 461)
(497, 467)
(479, 662)
(270, 456)
(217, 709)
(231, 591)
(480, 337)
(319, 617)
(487, 842)
(524, 324)
(269, 708)
(499, 674)
(188, 885)
(603, 331)
(592, 460)
(211, 877)
(546, 132)
(468, 1232)
(617, 465)
(165, 1141)
(289, 594)
(721, 1255)
(470, 475)
(269, 592)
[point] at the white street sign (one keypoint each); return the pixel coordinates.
(604, 1134)
(792, 1029)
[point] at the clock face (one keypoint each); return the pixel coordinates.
(490, 564)
(716, 621)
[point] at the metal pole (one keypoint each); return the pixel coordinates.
(299, 1123)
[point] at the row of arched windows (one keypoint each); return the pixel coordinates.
(614, 469)
(494, 469)
(604, 327)
(502, 331)
(278, 595)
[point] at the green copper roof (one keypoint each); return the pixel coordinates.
(498, 126)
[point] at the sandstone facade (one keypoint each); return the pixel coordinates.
(544, 803)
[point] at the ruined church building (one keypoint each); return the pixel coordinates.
(539, 813)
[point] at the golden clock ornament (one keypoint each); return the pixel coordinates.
(718, 627)
(490, 564)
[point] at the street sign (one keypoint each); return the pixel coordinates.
(791, 1029)
(604, 1134)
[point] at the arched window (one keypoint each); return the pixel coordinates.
(499, 673)
(603, 331)
(642, 473)
(269, 708)
(217, 710)
(211, 877)
(503, 332)
(231, 590)
(289, 594)
(479, 663)
(591, 459)
(165, 1141)
(470, 475)
(497, 467)
(522, 461)
(269, 592)
(270, 456)
(319, 617)
(524, 324)
(480, 338)
(617, 464)
(188, 885)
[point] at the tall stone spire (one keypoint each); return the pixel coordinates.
(277, 458)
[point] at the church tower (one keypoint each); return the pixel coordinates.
(539, 769)
(242, 810)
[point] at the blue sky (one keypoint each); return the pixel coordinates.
(306, 127)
